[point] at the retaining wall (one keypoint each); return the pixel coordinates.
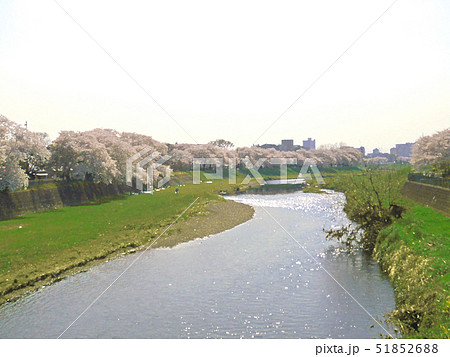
(53, 196)
(427, 195)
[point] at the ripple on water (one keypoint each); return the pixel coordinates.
(330, 204)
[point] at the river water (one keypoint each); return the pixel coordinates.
(255, 280)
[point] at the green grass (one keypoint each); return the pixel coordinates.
(415, 252)
(314, 190)
(273, 173)
(269, 173)
(327, 171)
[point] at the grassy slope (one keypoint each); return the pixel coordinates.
(415, 253)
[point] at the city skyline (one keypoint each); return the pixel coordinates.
(337, 143)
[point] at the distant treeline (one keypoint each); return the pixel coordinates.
(100, 155)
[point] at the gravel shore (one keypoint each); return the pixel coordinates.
(219, 216)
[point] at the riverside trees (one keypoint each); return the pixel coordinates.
(81, 156)
(97, 155)
(432, 153)
(100, 155)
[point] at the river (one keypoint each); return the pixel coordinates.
(255, 280)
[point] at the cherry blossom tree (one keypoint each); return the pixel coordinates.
(81, 156)
(377, 161)
(99, 154)
(118, 147)
(22, 154)
(222, 143)
(432, 153)
(140, 141)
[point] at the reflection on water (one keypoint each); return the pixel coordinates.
(251, 281)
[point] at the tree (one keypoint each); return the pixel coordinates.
(181, 160)
(140, 141)
(99, 154)
(118, 146)
(22, 154)
(222, 143)
(80, 156)
(432, 153)
(376, 161)
(372, 202)
(12, 176)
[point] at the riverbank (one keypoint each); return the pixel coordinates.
(414, 251)
(410, 242)
(41, 248)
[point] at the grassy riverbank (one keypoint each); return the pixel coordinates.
(37, 249)
(415, 253)
(413, 249)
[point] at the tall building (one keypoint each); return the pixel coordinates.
(287, 145)
(402, 150)
(309, 144)
(363, 150)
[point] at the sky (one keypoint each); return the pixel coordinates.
(200, 70)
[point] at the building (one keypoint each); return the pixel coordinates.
(402, 150)
(377, 153)
(362, 149)
(287, 145)
(269, 146)
(309, 144)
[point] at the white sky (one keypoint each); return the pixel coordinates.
(228, 69)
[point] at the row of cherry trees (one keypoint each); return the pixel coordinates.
(100, 155)
(432, 153)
